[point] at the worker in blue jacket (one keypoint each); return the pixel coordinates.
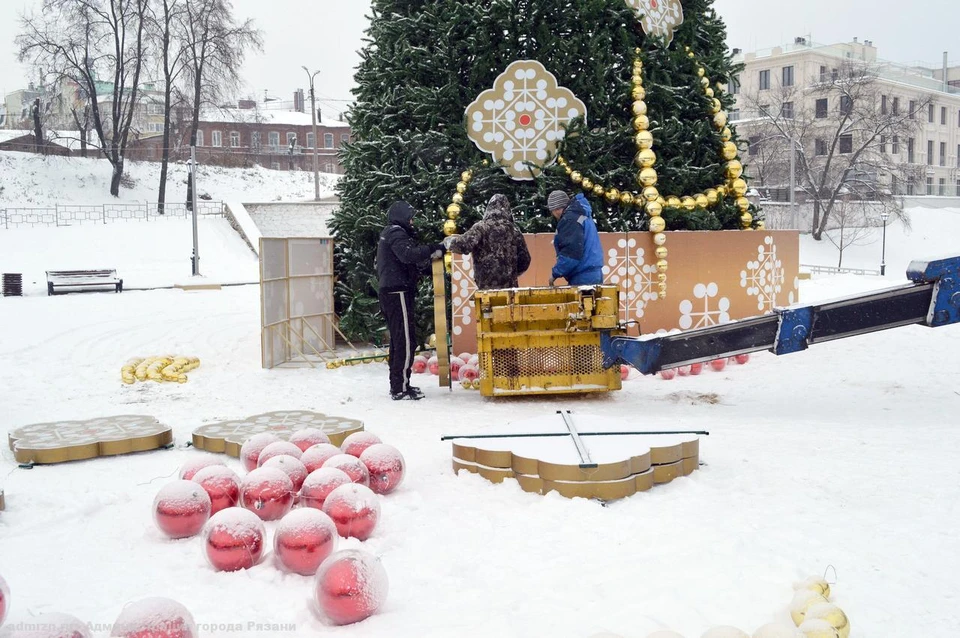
(579, 254)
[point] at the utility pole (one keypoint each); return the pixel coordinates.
(316, 142)
(193, 179)
(793, 183)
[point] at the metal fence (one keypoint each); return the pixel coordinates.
(81, 215)
(833, 270)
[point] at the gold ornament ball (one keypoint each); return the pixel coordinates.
(715, 105)
(674, 202)
(746, 220)
(646, 158)
(659, 239)
(705, 83)
(802, 601)
(637, 78)
(432, 341)
(638, 93)
(657, 225)
(448, 262)
(720, 120)
(486, 162)
(661, 252)
(708, 92)
(743, 204)
(831, 614)
(613, 195)
(626, 198)
(662, 201)
(653, 209)
(734, 169)
(598, 190)
(688, 203)
(662, 294)
(568, 169)
(701, 72)
(644, 140)
(453, 211)
(647, 177)
(726, 134)
(712, 196)
(639, 107)
(729, 151)
(641, 123)
(814, 584)
(761, 225)
(466, 176)
(662, 277)
(722, 190)
(651, 194)
(461, 187)
(662, 266)
(702, 201)
(662, 287)
(576, 177)
(457, 198)
(587, 184)
(691, 55)
(739, 187)
(720, 86)
(449, 227)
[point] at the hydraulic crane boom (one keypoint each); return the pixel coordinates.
(932, 299)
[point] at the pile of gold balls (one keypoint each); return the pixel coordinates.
(355, 361)
(167, 368)
(814, 614)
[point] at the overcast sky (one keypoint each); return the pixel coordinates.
(326, 34)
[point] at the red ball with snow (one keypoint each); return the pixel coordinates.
(314, 458)
(742, 359)
(624, 373)
(290, 466)
(668, 374)
(696, 369)
(252, 447)
(233, 539)
(304, 538)
(352, 466)
(278, 448)
(419, 364)
(465, 357)
(318, 485)
(683, 371)
(468, 373)
(4, 599)
(433, 365)
(308, 437)
(221, 484)
(181, 508)
(718, 364)
(386, 467)
(356, 443)
(194, 465)
(155, 618)
(355, 510)
(455, 364)
(267, 492)
(351, 586)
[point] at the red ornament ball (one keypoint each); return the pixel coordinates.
(267, 492)
(197, 463)
(474, 361)
(455, 364)
(352, 466)
(469, 373)
(278, 448)
(683, 371)
(624, 372)
(419, 364)
(308, 437)
(304, 538)
(251, 448)
(290, 466)
(221, 484)
(433, 365)
(318, 485)
(386, 467)
(233, 539)
(181, 508)
(351, 586)
(718, 364)
(668, 374)
(696, 369)
(314, 458)
(356, 443)
(355, 510)
(742, 359)
(4, 599)
(155, 618)
(465, 357)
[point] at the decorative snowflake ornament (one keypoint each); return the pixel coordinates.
(659, 17)
(626, 267)
(522, 118)
(463, 289)
(764, 278)
(692, 317)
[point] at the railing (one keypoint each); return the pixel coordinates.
(834, 270)
(79, 215)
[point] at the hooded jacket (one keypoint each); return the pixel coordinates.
(499, 251)
(401, 258)
(577, 243)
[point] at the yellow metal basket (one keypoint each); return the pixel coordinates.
(545, 340)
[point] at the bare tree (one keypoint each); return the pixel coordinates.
(853, 224)
(216, 45)
(87, 40)
(841, 137)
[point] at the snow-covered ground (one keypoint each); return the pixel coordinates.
(33, 180)
(838, 456)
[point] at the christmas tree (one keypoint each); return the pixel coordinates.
(425, 62)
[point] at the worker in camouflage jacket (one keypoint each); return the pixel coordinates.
(499, 251)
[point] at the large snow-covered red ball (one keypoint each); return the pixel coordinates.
(4, 599)
(314, 458)
(351, 585)
(181, 508)
(278, 448)
(386, 467)
(318, 485)
(252, 447)
(267, 492)
(290, 466)
(718, 364)
(464, 356)
(53, 625)
(356, 443)
(683, 371)
(308, 437)
(696, 369)
(624, 373)
(468, 373)
(419, 364)
(474, 361)
(455, 364)
(742, 359)
(433, 365)
(221, 484)
(155, 618)
(233, 539)
(352, 466)
(304, 538)
(197, 463)
(355, 510)
(668, 374)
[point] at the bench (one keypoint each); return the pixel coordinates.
(82, 279)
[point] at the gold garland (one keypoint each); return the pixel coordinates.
(453, 212)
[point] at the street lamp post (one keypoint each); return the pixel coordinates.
(884, 215)
(313, 113)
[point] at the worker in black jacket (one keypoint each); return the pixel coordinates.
(401, 260)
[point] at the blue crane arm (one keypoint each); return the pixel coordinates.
(931, 299)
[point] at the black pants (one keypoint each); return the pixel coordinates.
(398, 308)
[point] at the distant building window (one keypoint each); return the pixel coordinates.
(883, 144)
(896, 106)
(255, 140)
(273, 139)
(823, 73)
(733, 86)
(930, 113)
(275, 165)
(911, 157)
(788, 76)
(820, 147)
(943, 187)
(787, 110)
(929, 186)
(199, 138)
(753, 145)
(943, 115)
(344, 138)
(943, 153)
(846, 105)
(311, 140)
(929, 152)
(910, 188)
(329, 168)
(734, 115)
(216, 139)
(958, 188)
(291, 139)
(328, 140)
(846, 144)
(764, 80)
(234, 139)
(822, 108)
(883, 104)
(834, 75)
(896, 145)
(913, 109)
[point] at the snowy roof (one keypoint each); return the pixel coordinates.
(259, 116)
(67, 139)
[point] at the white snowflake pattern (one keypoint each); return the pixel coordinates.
(691, 318)
(637, 279)
(764, 277)
(462, 289)
(659, 17)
